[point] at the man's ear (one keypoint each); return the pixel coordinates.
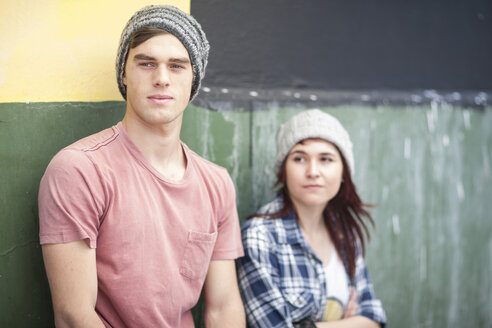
(124, 79)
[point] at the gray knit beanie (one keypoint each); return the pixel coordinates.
(313, 124)
(176, 22)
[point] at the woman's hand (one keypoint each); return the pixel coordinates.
(352, 305)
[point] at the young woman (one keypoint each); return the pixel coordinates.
(303, 263)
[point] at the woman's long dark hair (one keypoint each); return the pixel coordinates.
(344, 216)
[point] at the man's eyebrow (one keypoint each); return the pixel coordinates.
(178, 60)
(181, 60)
(143, 57)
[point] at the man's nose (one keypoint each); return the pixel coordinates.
(161, 77)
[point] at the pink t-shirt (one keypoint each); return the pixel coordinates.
(154, 238)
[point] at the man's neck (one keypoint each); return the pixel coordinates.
(160, 145)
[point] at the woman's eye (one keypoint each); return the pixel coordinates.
(298, 159)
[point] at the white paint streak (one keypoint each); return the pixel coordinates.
(265, 125)
(253, 94)
(407, 148)
(487, 297)
(416, 98)
(486, 164)
(385, 193)
(435, 110)
(430, 121)
(396, 225)
(233, 158)
(460, 190)
(445, 140)
(206, 89)
(207, 137)
(454, 244)
(432, 94)
(423, 264)
(456, 96)
(490, 263)
(481, 98)
(466, 119)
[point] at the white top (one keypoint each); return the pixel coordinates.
(337, 286)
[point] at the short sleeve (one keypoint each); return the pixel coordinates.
(228, 245)
(70, 200)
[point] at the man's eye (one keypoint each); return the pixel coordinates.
(176, 66)
(145, 64)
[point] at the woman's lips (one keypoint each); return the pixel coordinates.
(313, 186)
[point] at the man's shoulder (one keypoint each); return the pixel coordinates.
(76, 156)
(95, 141)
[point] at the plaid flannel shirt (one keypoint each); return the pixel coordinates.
(282, 281)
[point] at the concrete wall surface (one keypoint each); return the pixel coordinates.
(427, 170)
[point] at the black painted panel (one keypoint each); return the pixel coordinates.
(354, 45)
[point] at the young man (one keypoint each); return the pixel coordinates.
(133, 223)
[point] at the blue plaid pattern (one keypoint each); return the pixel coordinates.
(281, 279)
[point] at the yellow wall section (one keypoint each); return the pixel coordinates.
(63, 50)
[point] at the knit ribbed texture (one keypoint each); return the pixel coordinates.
(179, 24)
(313, 124)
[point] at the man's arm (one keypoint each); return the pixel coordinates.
(223, 304)
(72, 275)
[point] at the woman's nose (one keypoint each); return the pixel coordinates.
(313, 170)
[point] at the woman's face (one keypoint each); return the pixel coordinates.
(313, 172)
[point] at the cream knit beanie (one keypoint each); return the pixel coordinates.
(313, 124)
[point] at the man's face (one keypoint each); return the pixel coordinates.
(158, 79)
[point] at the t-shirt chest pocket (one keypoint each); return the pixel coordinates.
(197, 254)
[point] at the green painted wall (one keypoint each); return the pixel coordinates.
(427, 170)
